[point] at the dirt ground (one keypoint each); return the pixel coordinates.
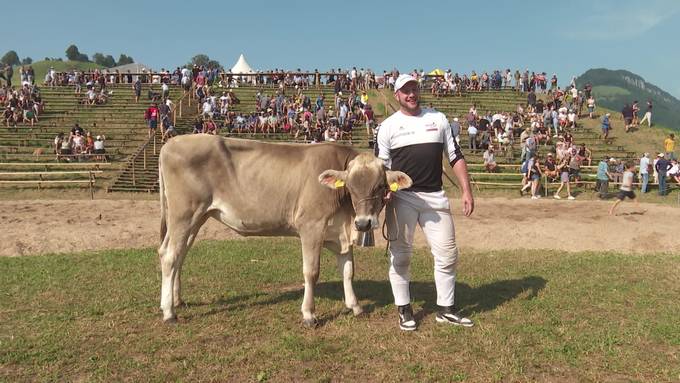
(30, 227)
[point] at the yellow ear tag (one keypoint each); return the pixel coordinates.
(339, 183)
(394, 186)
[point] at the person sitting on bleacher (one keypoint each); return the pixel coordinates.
(8, 116)
(674, 171)
(198, 126)
(102, 97)
(58, 139)
(89, 143)
(66, 146)
(209, 127)
(78, 143)
(550, 168)
(99, 150)
(91, 96)
(571, 119)
(77, 129)
(490, 160)
(585, 153)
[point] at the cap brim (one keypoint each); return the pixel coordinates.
(402, 85)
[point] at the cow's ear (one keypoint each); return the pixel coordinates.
(398, 180)
(333, 179)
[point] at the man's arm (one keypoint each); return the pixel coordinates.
(460, 170)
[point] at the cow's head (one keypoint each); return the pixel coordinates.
(368, 183)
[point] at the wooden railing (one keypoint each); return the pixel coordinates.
(42, 178)
(152, 143)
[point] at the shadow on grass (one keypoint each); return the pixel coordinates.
(470, 300)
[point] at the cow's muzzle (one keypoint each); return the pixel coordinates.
(365, 223)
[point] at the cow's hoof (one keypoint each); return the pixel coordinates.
(170, 321)
(178, 303)
(310, 323)
(357, 310)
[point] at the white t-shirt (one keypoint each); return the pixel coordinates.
(415, 144)
(644, 165)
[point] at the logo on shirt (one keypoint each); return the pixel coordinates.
(431, 127)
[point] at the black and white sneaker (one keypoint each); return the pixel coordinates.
(447, 315)
(406, 320)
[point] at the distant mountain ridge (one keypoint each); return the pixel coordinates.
(614, 88)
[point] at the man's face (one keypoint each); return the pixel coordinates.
(408, 96)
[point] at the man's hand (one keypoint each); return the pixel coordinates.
(468, 204)
(460, 170)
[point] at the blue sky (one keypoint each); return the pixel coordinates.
(567, 38)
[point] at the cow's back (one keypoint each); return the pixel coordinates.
(259, 188)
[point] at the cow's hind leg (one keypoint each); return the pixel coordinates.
(345, 261)
(311, 252)
(172, 249)
(177, 285)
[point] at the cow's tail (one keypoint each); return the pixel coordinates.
(161, 187)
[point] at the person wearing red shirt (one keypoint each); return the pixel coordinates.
(151, 117)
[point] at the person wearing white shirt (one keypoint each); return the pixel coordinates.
(414, 141)
(207, 109)
(644, 172)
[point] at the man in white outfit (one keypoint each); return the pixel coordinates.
(413, 140)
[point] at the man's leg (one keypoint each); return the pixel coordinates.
(662, 185)
(645, 182)
(401, 222)
(439, 231)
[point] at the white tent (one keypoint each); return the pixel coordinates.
(241, 66)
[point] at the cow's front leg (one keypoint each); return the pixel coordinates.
(346, 268)
(311, 252)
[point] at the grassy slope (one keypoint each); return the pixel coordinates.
(541, 316)
(41, 68)
(642, 140)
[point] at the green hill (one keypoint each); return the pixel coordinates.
(614, 88)
(41, 68)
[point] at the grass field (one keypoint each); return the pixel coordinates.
(540, 316)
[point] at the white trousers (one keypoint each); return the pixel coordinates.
(648, 118)
(431, 211)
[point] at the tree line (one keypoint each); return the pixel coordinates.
(73, 54)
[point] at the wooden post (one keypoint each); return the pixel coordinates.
(145, 157)
(91, 185)
(134, 183)
(154, 145)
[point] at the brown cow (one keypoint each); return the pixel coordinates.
(315, 192)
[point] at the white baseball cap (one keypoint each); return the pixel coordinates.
(402, 80)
